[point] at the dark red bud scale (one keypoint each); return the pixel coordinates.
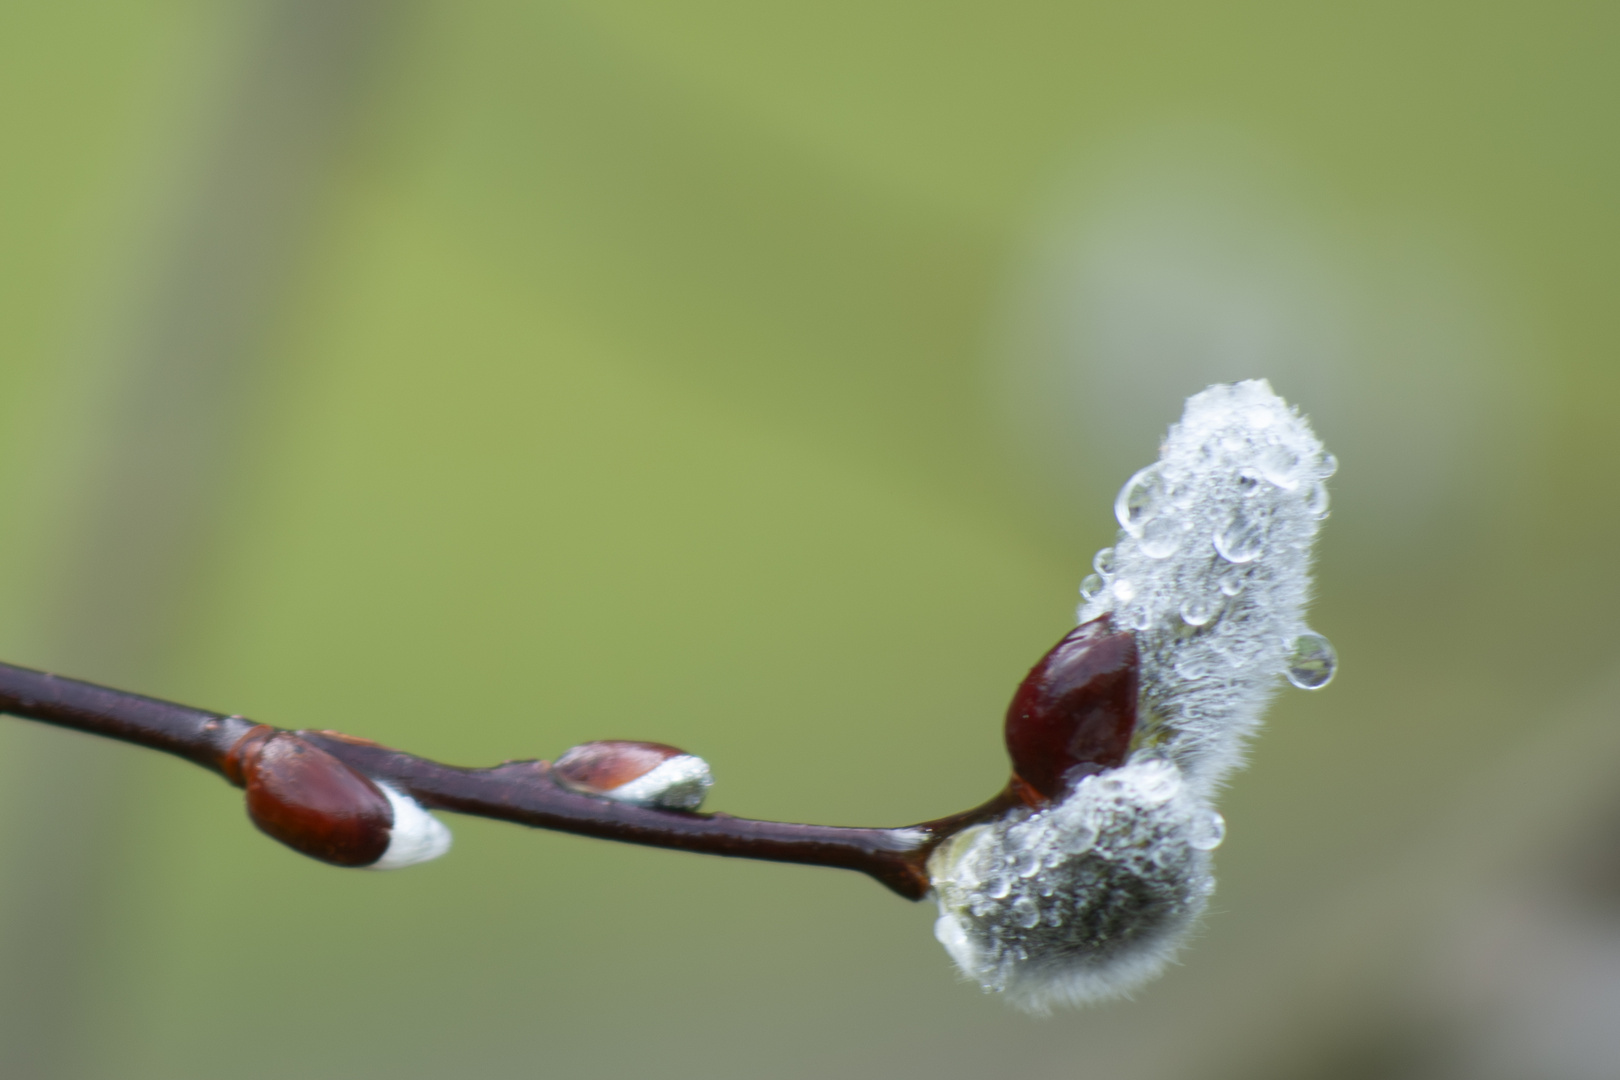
(1075, 712)
(608, 764)
(309, 800)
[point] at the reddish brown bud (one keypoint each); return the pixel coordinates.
(1075, 712)
(599, 767)
(643, 773)
(304, 797)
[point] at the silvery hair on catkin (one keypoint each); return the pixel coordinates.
(1089, 897)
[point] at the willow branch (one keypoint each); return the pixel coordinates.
(525, 792)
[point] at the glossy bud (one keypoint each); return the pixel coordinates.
(1075, 712)
(304, 797)
(641, 773)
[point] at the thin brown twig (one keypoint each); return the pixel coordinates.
(525, 792)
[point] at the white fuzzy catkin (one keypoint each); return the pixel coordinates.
(1090, 897)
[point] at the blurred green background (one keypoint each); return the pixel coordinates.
(486, 377)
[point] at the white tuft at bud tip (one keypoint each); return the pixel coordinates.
(416, 836)
(678, 783)
(654, 775)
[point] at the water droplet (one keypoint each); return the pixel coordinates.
(1207, 831)
(1197, 610)
(1158, 784)
(1139, 500)
(1280, 464)
(1232, 582)
(1316, 500)
(1025, 912)
(1162, 537)
(1055, 916)
(1242, 538)
(1080, 839)
(1312, 662)
(999, 888)
(1103, 563)
(1026, 863)
(1326, 465)
(981, 907)
(1090, 586)
(1124, 591)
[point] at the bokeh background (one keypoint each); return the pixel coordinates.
(488, 376)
